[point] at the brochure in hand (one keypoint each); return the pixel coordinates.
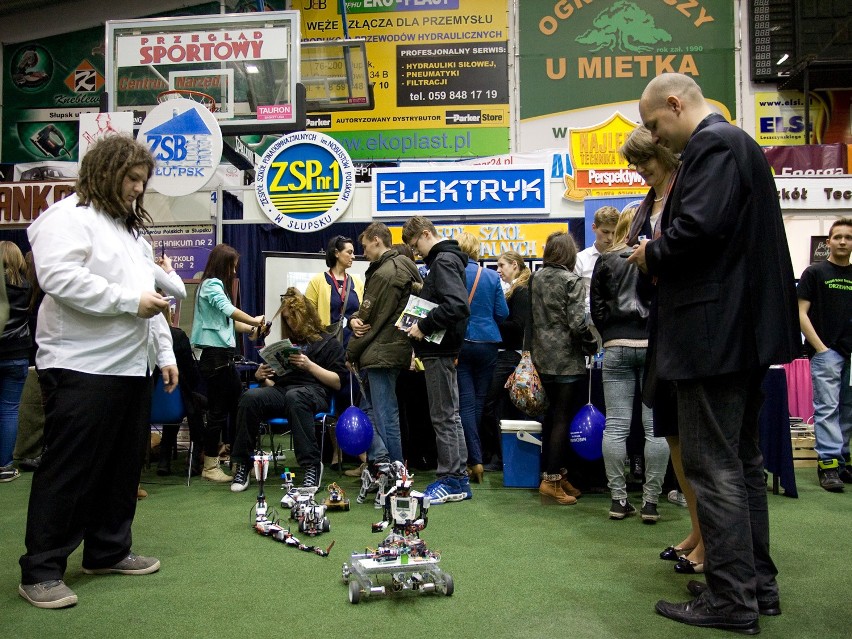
(277, 355)
(415, 309)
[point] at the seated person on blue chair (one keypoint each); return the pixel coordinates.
(298, 395)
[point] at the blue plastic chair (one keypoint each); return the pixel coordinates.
(168, 408)
(282, 424)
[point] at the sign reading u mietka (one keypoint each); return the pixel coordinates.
(461, 191)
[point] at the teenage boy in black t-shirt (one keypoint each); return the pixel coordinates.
(825, 315)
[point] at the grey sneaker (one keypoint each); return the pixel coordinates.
(619, 509)
(48, 594)
(130, 565)
(649, 513)
(8, 473)
(678, 498)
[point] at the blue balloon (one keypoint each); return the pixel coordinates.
(354, 431)
(587, 430)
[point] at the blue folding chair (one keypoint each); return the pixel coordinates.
(281, 424)
(168, 408)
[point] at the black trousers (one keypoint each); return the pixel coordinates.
(298, 404)
(718, 422)
(84, 490)
(224, 388)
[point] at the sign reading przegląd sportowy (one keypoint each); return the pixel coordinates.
(305, 181)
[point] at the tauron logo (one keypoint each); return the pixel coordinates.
(463, 117)
(319, 121)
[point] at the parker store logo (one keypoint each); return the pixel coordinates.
(319, 121)
(463, 117)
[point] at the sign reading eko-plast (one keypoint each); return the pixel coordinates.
(305, 181)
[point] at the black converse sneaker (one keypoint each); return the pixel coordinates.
(241, 478)
(649, 513)
(310, 478)
(620, 509)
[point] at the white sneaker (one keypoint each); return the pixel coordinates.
(676, 497)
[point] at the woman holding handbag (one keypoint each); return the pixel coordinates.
(557, 326)
(337, 296)
(478, 354)
(335, 293)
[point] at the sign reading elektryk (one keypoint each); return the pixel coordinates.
(457, 191)
(305, 181)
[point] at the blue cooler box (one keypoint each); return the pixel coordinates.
(521, 443)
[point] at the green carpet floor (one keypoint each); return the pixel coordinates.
(520, 570)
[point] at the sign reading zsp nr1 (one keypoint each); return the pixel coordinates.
(305, 181)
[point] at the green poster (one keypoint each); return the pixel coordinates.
(576, 54)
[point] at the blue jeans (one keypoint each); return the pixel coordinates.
(383, 410)
(832, 405)
(475, 370)
(622, 366)
(718, 423)
(13, 374)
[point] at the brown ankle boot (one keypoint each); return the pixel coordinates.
(566, 485)
(551, 491)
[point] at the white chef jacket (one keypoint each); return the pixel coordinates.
(93, 272)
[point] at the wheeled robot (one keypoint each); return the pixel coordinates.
(401, 562)
(309, 515)
(336, 499)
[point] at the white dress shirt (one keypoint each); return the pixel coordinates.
(93, 272)
(584, 267)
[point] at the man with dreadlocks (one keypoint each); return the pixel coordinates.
(100, 333)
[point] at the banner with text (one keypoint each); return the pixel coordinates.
(496, 239)
(461, 191)
(440, 74)
(580, 60)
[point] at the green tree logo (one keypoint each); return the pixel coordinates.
(626, 26)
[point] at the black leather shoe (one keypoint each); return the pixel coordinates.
(767, 608)
(673, 554)
(698, 613)
(686, 567)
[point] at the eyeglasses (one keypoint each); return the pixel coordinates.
(635, 165)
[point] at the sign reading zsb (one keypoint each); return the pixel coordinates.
(168, 147)
(305, 181)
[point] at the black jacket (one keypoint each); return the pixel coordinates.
(446, 286)
(16, 339)
(725, 289)
(513, 327)
(619, 298)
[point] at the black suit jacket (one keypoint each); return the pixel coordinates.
(726, 295)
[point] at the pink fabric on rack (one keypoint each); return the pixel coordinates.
(800, 392)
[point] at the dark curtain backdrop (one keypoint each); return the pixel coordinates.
(251, 240)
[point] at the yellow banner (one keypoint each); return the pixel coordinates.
(496, 239)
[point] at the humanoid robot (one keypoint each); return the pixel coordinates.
(402, 555)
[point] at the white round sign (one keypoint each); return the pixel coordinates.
(186, 141)
(305, 181)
